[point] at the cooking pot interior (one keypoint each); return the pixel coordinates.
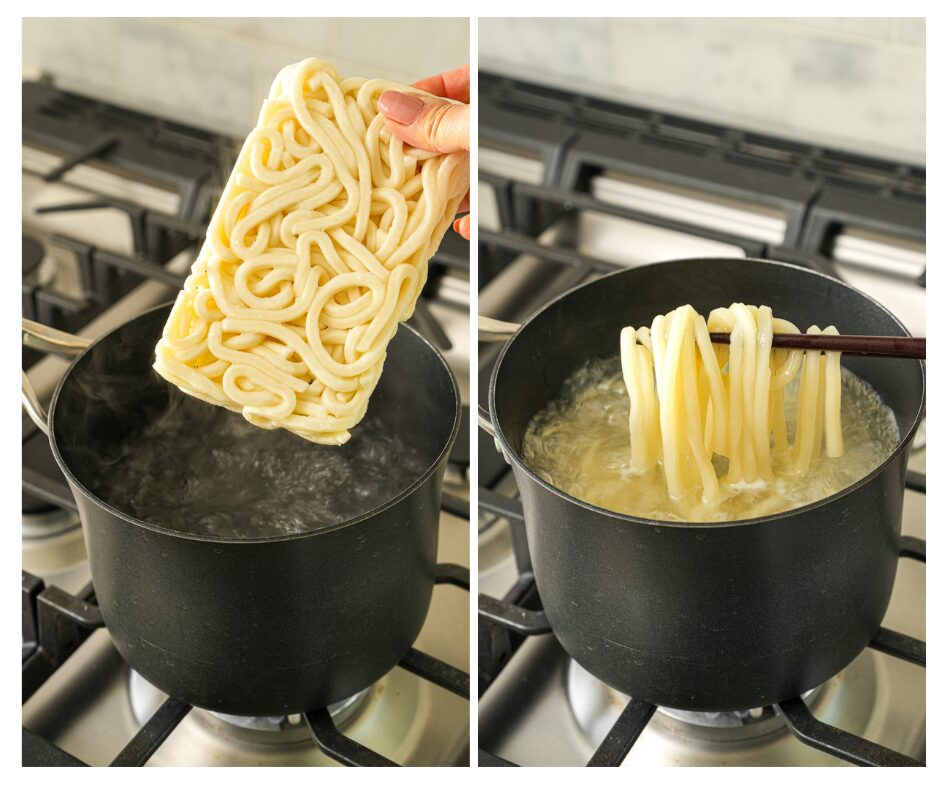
(586, 323)
(112, 392)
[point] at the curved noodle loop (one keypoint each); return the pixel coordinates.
(317, 250)
(691, 401)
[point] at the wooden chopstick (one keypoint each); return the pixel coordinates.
(886, 347)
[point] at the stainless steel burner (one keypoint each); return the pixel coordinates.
(392, 717)
(145, 699)
(39, 267)
(42, 525)
(854, 700)
(53, 548)
(596, 707)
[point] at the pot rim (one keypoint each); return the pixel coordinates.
(633, 519)
(134, 521)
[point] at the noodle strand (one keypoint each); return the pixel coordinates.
(691, 401)
(318, 249)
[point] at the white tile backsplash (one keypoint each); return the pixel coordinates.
(575, 49)
(857, 83)
(879, 28)
(214, 72)
(413, 47)
(314, 36)
(82, 52)
(911, 30)
(704, 64)
(192, 75)
(859, 91)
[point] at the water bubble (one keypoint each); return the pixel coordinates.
(196, 468)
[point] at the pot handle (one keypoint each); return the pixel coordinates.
(51, 340)
(46, 340)
(483, 419)
(491, 330)
(33, 406)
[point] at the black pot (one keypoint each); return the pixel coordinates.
(263, 626)
(707, 616)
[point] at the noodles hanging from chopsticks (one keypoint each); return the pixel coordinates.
(691, 400)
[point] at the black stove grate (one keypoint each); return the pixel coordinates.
(817, 190)
(55, 624)
(505, 623)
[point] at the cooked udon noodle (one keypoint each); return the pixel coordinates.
(317, 250)
(691, 400)
(674, 428)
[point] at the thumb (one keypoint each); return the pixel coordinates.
(427, 122)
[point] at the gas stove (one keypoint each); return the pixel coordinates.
(573, 187)
(115, 206)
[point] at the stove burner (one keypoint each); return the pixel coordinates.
(390, 717)
(53, 547)
(48, 522)
(39, 269)
(32, 255)
(145, 699)
(597, 706)
(342, 711)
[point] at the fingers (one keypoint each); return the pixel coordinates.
(462, 227)
(428, 123)
(451, 84)
(435, 125)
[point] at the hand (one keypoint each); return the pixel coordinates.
(434, 124)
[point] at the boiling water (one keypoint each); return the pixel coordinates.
(204, 470)
(580, 443)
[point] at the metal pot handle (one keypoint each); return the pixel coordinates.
(491, 330)
(46, 340)
(483, 419)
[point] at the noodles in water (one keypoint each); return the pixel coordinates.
(317, 250)
(684, 429)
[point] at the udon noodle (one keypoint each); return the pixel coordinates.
(676, 428)
(690, 399)
(317, 250)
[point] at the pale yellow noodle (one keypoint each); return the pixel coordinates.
(318, 249)
(834, 446)
(709, 400)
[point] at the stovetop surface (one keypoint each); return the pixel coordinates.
(86, 708)
(530, 714)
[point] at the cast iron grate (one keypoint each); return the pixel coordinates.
(56, 623)
(817, 190)
(585, 116)
(505, 623)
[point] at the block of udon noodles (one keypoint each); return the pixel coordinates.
(318, 248)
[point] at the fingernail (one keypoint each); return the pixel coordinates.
(400, 107)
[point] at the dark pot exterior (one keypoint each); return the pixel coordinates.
(266, 628)
(714, 618)
(257, 627)
(707, 616)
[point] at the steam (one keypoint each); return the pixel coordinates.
(164, 457)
